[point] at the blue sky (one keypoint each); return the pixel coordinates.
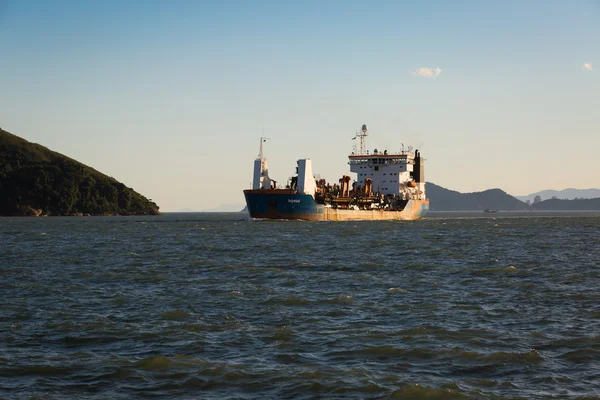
(171, 97)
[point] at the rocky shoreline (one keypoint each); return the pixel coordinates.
(32, 212)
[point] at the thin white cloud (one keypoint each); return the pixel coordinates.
(587, 66)
(425, 72)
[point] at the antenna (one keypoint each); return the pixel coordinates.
(362, 137)
(261, 153)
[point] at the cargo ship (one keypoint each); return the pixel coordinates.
(387, 186)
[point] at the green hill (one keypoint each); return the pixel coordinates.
(442, 199)
(37, 181)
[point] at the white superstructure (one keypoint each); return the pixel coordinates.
(401, 173)
(306, 180)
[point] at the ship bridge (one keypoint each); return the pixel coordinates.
(401, 173)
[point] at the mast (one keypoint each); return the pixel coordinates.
(362, 149)
(261, 153)
(261, 170)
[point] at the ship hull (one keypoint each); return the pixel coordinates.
(287, 204)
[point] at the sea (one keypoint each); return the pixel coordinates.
(219, 306)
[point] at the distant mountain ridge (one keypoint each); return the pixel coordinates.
(567, 205)
(37, 181)
(566, 194)
(442, 199)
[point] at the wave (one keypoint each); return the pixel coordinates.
(418, 392)
(116, 374)
(511, 269)
(582, 355)
(287, 301)
(329, 389)
(86, 340)
(397, 290)
(341, 299)
(158, 362)
(40, 370)
(592, 342)
(175, 315)
(531, 357)
(282, 334)
(164, 363)
(456, 354)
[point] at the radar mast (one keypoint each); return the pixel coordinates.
(362, 148)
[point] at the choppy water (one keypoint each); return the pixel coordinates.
(215, 306)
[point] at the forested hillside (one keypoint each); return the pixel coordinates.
(37, 181)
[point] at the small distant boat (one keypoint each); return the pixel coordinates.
(487, 210)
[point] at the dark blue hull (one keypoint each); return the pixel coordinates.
(280, 204)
